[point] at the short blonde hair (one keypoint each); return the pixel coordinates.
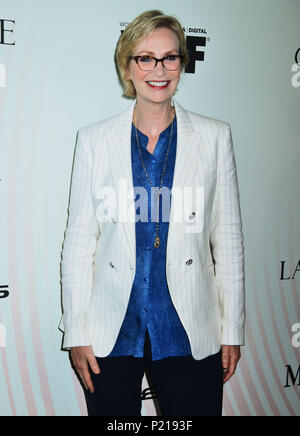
(135, 32)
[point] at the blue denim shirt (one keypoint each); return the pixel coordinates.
(150, 305)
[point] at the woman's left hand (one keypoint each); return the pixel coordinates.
(230, 356)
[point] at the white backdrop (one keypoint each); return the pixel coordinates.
(57, 74)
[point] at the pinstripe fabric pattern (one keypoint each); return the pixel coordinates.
(98, 257)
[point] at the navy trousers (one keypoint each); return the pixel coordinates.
(184, 386)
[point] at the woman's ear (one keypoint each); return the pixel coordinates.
(127, 74)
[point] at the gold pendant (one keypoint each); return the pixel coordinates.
(157, 241)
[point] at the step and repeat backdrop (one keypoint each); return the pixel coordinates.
(57, 74)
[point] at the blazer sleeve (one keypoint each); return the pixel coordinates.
(227, 243)
(79, 247)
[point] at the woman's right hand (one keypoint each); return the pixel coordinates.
(82, 358)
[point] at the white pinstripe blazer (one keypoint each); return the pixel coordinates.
(204, 268)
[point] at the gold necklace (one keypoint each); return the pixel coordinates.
(157, 239)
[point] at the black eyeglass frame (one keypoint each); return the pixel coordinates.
(136, 58)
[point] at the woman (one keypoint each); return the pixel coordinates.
(145, 288)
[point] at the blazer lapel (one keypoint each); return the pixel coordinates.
(120, 158)
(120, 153)
(185, 157)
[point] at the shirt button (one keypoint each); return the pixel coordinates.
(145, 279)
(188, 262)
(144, 310)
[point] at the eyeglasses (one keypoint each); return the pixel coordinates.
(148, 63)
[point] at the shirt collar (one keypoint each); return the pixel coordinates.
(162, 143)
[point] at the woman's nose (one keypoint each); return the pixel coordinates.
(159, 70)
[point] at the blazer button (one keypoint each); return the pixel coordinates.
(188, 262)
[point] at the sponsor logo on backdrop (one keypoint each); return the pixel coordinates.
(6, 32)
(296, 69)
(196, 40)
(284, 274)
(292, 376)
(6, 39)
(297, 57)
(4, 293)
